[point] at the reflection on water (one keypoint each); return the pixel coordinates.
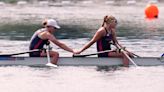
(108, 68)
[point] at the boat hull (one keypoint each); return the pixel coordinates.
(79, 61)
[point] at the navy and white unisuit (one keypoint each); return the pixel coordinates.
(104, 44)
(37, 43)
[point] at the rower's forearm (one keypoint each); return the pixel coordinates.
(118, 45)
(86, 46)
(121, 47)
(66, 48)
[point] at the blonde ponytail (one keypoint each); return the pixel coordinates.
(44, 22)
(105, 19)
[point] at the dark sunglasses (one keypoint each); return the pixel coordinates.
(116, 21)
(52, 26)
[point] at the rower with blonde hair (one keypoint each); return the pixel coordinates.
(104, 36)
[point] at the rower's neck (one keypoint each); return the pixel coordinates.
(48, 30)
(107, 29)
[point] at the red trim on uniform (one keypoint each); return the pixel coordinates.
(100, 45)
(37, 45)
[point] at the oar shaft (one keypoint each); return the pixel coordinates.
(48, 57)
(134, 54)
(8, 55)
(127, 56)
(48, 54)
(84, 55)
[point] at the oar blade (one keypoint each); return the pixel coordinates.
(52, 65)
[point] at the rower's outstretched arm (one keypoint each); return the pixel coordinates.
(95, 38)
(58, 43)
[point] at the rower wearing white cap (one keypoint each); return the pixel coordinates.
(43, 36)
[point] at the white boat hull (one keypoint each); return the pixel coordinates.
(79, 61)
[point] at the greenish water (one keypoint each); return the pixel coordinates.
(23, 31)
(82, 29)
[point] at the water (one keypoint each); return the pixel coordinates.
(141, 36)
(73, 79)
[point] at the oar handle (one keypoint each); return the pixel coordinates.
(84, 55)
(78, 55)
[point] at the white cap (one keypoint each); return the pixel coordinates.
(52, 22)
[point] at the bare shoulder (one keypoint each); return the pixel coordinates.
(101, 31)
(45, 35)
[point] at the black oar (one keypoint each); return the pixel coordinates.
(84, 55)
(130, 52)
(135, 54)
(9, 55)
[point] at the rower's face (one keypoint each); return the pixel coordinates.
(51, 29)
(113, 24)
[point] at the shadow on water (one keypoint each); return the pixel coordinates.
(108, 68)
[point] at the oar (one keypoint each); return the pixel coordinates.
(130, 52)
(100, 52)
(9, 55)
(135, 55)
(127, 56)
(162, 57)
(48, 58)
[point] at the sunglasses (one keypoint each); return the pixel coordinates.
(113, 21)
(52, 26)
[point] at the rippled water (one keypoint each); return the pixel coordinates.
(73, 79)
(141, 36)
